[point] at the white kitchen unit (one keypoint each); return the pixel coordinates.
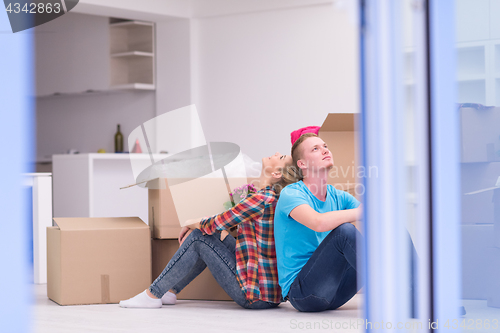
(41, 184)
(88, 185)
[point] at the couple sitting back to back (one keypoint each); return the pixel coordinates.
(299, 248)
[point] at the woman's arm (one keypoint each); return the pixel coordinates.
(193, 223)
(251, 207)
(321, 222)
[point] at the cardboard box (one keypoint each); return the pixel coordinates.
(97, 260)
(480, 134)
(174, 201)
(203, 287)
(487, 201)
(339, 133)
(475, 260)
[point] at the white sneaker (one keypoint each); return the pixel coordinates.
(169, 298)
(141, 301)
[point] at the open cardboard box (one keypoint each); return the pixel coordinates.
(97, 260)
(174, 201)
(496, 208)
(338, 131)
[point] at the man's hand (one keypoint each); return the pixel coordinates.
(359, 212)
(185, 231)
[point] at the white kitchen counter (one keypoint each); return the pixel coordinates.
(88, 185)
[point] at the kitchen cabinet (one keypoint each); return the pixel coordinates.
(80, 53)
(72, 55)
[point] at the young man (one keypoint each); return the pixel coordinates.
(315, 243)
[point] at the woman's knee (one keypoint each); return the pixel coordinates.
(194, 235)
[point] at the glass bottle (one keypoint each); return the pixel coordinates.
(118, 141)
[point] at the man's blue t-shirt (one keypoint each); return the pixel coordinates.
(295, 243)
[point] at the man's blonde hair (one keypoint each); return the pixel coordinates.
(297, 153)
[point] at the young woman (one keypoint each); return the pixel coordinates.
(315, 243)
(244, 267)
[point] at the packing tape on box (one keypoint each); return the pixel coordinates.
(105, 289)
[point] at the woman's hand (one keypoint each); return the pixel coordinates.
(185, 231)
(223, 235)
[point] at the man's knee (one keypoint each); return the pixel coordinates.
(347, 229)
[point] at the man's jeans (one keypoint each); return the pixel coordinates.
(328, 279)
(196, 253)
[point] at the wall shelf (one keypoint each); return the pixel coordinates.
(135, 86)
(478, 72)
(132, 55)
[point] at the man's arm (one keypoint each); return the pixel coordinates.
(321, 222)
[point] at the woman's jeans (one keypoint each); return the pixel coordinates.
(196, 253)
(328, 279)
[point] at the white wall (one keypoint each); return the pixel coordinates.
(173, 72)
(258, 76)
(88, 123)
(254, 77)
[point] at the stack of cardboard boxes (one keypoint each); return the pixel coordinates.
(200, 197)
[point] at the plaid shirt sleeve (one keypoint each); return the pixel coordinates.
(250, 207)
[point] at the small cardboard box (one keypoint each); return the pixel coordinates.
(480, 134)
(97, 260)
(339, 133)
(203, 287)
(174, 201)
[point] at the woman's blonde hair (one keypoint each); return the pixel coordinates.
(289, 175)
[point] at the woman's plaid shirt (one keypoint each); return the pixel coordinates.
(256, 265)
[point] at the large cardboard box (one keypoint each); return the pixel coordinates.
(174, 201)
(97, 260)
(339, 133)
(203, 287)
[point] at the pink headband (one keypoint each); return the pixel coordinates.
(309, 129)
